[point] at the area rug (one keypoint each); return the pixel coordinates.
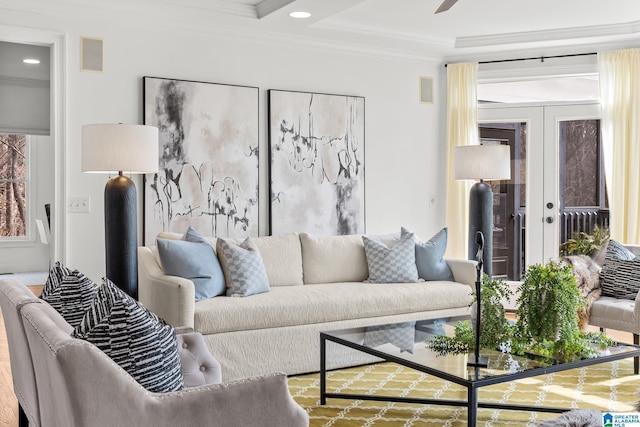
(607, 387)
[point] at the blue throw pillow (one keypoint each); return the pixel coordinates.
(430, 257)
(193, 260)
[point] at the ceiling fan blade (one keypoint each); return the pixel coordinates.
(446, 5)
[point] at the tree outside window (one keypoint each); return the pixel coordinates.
(13, 185)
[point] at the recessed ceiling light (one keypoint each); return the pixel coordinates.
(31, 61)
(300, 15)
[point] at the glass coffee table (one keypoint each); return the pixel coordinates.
(405, 344)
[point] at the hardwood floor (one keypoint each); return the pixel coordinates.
(9, 404)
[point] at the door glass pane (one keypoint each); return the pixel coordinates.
(582, 190)
(509, 201)
(13, 173)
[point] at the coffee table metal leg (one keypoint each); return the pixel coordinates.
(323, 371)
(472, 406)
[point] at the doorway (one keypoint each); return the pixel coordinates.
(51, 165)
(556, 186)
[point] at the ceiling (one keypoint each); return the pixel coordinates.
(410, 26)
(470, 30)
(400, 27)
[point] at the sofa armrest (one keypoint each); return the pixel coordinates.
(172, 298)
(464, 271)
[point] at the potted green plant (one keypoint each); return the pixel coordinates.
(547, 319)
(496, 329)
(548, 312)
(593, 245)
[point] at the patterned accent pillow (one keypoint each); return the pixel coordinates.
(194, 259)
(69, 292)
(402, 335)
(430, 257)
(391, 264)
(615, 254)
(621, 279)
(616, 251)
(136, 339)
(243, 268)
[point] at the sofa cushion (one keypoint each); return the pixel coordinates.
(391, 264)
(69, 292)
(193, 260)
(243, 268)
(282, 258)
(136, 339)
(332, 259)
(430, 257)
(310, 304)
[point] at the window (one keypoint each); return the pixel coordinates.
(14, 187)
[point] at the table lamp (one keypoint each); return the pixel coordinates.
(481, 163)
(119, 148)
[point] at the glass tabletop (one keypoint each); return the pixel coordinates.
(406, 343)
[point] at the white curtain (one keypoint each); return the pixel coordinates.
(620, 100)
(462, 129)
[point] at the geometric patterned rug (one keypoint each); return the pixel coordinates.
(608, 387)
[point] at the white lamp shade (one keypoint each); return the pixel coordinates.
(486, 162)
(119, 148)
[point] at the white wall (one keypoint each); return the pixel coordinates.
(404, 149)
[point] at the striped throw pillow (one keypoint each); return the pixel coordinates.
(136, 339)
(621, 278)
(620, 274)
(69, 292)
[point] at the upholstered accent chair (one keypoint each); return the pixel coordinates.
(13, 296)
(69, 382)
(619, 314)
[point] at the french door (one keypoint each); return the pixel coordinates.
(540, 176)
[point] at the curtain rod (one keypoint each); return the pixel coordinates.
(541, 58)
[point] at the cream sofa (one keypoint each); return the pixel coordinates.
(316, 284)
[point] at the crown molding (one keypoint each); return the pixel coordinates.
(267, 7)
(218, 6)
(528, 37)
(351, 26)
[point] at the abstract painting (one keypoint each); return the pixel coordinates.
(316, 163)
(208, 158)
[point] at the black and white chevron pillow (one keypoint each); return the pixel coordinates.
(620, 274)
(139, 341)
(621, 278)
(69, 292)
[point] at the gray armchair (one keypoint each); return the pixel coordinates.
(619, 314)
(13, 295)
(74, 384)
